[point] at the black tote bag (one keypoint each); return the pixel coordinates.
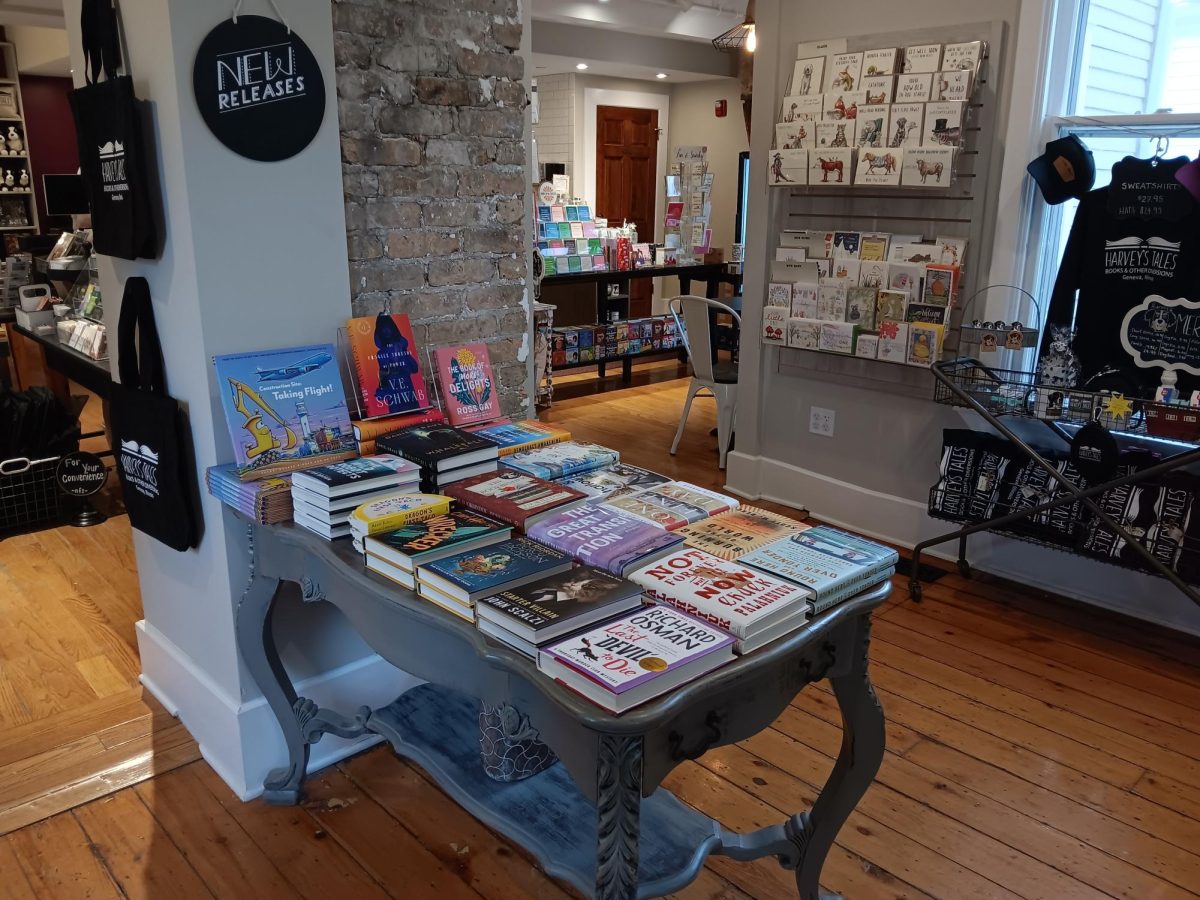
(157, 480)
(113, 153)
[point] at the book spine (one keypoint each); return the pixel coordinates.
(364, 403)
(737, 630)
(372, 429)
(473, 505)
(849, 589)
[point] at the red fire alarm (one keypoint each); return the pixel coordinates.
(722, 109)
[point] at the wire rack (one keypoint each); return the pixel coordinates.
(29, 493)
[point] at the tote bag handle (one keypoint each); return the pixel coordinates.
(101, 39)
(140, 362)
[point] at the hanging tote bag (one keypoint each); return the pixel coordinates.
(113, 156)
(149, 432)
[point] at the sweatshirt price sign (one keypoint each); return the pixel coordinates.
(259, 87)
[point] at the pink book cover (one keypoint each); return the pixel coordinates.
(469, 393)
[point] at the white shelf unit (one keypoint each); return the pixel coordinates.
(16, 162)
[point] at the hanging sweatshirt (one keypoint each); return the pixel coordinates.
(1136, 237)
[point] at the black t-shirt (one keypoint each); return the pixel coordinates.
(1137, 237)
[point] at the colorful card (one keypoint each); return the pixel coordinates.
(924, 344)
(879, 167)
(844, 71)
(831, 166)
(846, 244)
(927, 167)
(893, 341)
(874, 246)
(951, 250)
(891, 305)
(843, 105)
(775, 324)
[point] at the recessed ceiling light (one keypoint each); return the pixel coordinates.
(581, 66)
(661, 75)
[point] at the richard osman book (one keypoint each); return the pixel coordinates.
(285, 409)
(387, 367)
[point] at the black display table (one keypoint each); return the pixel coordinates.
(93, 374)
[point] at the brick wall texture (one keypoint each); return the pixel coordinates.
(431, 101)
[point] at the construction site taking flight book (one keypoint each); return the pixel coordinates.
(387, 367)
(605, 538)
(734, 533)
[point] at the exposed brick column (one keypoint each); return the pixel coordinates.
(431, 101)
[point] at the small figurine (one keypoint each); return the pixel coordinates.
(13, 141)
(9, 180)
(1059, 367)
(23, 181)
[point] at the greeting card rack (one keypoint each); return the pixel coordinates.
(1001, 396)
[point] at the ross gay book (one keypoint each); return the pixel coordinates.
(464, 374)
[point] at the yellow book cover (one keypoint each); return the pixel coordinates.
(397, 510)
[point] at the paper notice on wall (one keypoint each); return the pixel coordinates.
(562, 185)
(690, 153)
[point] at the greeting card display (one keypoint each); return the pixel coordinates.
(788, 168)
(831, 165)
(927, 167)
(808, 76)
(907, 120)
(871, 126)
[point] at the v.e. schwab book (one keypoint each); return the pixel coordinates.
(437, 446)
(514, 497)
(743, 601)
(673, 505)
(605, 538)
(469, 394)
(286, 410)
(831, 564)
(500, 567)
(515, 437)
(386, 365)
(396, 510)
(617, 480)
(730, 534)
(550, 607)
(563, 459)
(436, 537)
(357, 476)
(640, 656)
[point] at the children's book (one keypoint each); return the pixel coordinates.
(500, 567)
(395, 511)
(733, 533)
(605, 537)
(357, 476)
(514, 497)
(516, 437)
(436, 537)
(437, 446)
(647, 653)
(563, 459)
(468, 385)
(673, 505)
(285, 409)
(387, 368)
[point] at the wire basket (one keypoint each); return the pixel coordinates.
(29, 493)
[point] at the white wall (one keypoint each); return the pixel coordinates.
(555, 130)
(40, 51)
(255, 257)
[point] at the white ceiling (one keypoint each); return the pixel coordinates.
(549, 64)
(701, 21)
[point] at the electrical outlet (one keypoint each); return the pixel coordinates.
(820, 421)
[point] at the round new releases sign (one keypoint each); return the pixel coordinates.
(259, 88)
(81, 474)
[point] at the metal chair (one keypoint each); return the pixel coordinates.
(693, 321)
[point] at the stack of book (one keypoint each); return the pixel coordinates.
(396, 554)
(445, 454)
(732, 534)
(563, 459)
(752, 606)
(455, 582)
(640, 656)
(605, 538)
(325, 497)
(368, 431)
(614, 481)
(533, 615)
(673, 504)
(517, 437)
(267, 502)
(829, 564)
(516, 498)
(393, 511)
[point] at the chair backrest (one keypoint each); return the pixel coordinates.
(691, 315)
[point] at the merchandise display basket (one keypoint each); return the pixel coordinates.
(29, 493)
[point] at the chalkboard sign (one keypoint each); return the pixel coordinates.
(259, 88)
(81, 474)
(1163, 333)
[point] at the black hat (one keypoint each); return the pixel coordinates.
(1065, 170)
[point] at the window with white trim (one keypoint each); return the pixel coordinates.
(1134, 91)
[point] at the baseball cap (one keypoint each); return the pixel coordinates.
(1065, 170)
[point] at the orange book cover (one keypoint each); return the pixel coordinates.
(387, 370)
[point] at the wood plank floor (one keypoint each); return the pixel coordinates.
(1036, 749)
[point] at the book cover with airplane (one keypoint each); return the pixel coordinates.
(286, 410)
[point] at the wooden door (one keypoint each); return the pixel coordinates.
(626, 180)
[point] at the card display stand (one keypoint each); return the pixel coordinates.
(1002, 396)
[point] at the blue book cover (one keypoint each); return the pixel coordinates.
(543, 214)
(494, 568)
(563, 459)
(822, 559)
(285, 409)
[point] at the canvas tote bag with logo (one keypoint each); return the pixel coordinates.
(149, 433)
(112, 151)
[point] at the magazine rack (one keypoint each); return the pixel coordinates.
(999, 395)
(598, 818)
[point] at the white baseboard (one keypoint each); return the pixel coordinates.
(904, 522)
(242, 741)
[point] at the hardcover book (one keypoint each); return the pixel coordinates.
(436, 537)
(514, 497)
(285, 409)
(825, 561)
(563, 459)
(386, 366)
(468, 385)
(500, 567)
(370, 430)
(731, 534)
(357, 476)
(640, 656)
(673, 505)
(437, 446)
(614, 480)
(604, 537)
(514, 437)
(731, 595)
(550, 607)
(395, 511)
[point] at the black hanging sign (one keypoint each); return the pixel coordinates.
(259, 88)
(81, 474)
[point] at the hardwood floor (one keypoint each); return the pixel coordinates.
(1036, 749)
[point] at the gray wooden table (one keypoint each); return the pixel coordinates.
(597, 818)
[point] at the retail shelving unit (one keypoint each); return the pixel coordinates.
(18, 210)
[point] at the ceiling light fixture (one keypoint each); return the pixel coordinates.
(661, 75)
(581, 66)
(739, 37)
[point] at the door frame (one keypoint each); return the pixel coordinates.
(596, 97)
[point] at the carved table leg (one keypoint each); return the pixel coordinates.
(618, 810)
(855, 769)
(257, 646)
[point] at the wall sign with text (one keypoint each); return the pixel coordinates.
(259, 88)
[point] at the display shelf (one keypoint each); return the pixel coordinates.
(9, 53)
